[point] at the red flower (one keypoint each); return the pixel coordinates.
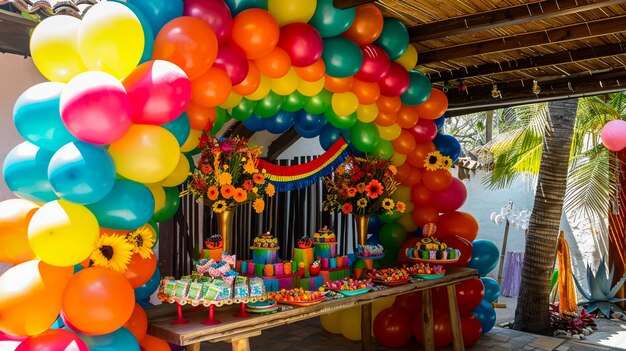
(346, 208)
(374, 189)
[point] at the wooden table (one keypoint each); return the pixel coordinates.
(237, 331)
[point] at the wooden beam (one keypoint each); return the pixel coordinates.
(505, 17)
(344, 4)
(531, 62)
(239, 129)
(550, 36)
(15, 33)
(281, 144)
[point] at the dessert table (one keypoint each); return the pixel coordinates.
(237, 331)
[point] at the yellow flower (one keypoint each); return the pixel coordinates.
(360, 187)
(225, 179)
(432, 161)
(361, 203)
(393, 169)
(388, 204)
(255, 190)
(219, 206)
(112, 252)
(446, 162)
(258, 205)
(142, 240)
(225, 167)
(270, 190)
(249, 167)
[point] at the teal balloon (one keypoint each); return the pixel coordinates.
(81, 172)
(121, 339)
(243, 110)
(37, 118)
(294, 102)
(179, 127)
(148, 33)
(492, 289)
(419, 89)
(309, 121)
(237, 6)
(149, 287)
(221, 117)
(343, 58)
(389, 218)
(172, 203)
(25, 171)
(485, 255)
(319, 103)
(255, 123)
(383, 148)
(159, 12)
(341, 122)
(486, 315)
(279, 123)
(394, 38)
(364, 136)
(269, 105)
(331, 21)
(128, 206)
(392, 235)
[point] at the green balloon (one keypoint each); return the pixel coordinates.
(269, 105)
(419, 89)
(294, 102)
(343, 58)
(193, 152)
(364, 136)
(331, 21)
(172, 203)
(243, 110)
(388, 218)
(391, 256)
(392, 235)
(221, 117)
(383, 148)
(319, 103)
(340, 122)
(394, 38)
(154, 226)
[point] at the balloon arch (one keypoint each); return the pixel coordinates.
(133, 85)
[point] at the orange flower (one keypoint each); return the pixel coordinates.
(258, 205)
(351, 191)
(240, 195)
(258, 178)
(360, 187)
(340, 170)
(249, 167)
(212, 193)
(206, 169)
(225, 179)
(248, 185)
(393, 169)
(346, 208)
(400, 206)
(374, 189)
(227, 191)
(270, 190)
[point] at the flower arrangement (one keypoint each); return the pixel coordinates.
(435, 160)
(363, 186)
(227, 175)
(114, 251)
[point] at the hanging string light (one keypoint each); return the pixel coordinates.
(536, 87)
(495, 92)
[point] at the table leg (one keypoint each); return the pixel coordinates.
(193, 347)
(179, 316)
(366, 327)
(428, 327)
(455, 320)
(241, 344)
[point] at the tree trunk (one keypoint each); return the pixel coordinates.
(532, 313)
(617, 225)
(489, 126)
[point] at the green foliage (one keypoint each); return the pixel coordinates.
(600, 294)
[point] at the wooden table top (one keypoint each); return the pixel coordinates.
(160, 317)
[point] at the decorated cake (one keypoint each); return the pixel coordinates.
(324, 236)
(265, 241)
(429, 248)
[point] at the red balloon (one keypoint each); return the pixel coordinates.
(471, 329)
(424, 215)
(234, 62)
(458, 223)
(469, 294)
(408, 175)
(302, 42)
(420, 195)
(53, 340)
(436, 180)
(463, 245)
(434, 107)
(442, 332)
(396, 82)
(140, 270)
(392, 327)
(424, 131)
(376, 64)
(213, 12)
(412, 302)
(450, 199)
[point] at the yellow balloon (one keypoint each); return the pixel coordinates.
(350, 323)
(180, 173)
(389, 133)
(145, 154)
(54, 47)
(344, 103)
(290, 11)
(192, 140)
(311, 88)
(111, 39)
(286, 84)
(330, 322)
(402, 193)
(264, 88)
(367, 113)
(398, 159)
(233, 100)
(406, 221)
(408, 60)
(62, 233)
(159, 195)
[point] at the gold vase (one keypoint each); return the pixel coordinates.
(225, 228)
(362, 222)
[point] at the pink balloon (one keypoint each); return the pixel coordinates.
(614, 135)
(234, 62)
(95, 108)
(159, 91)
(8, 337)
(450, 199)
(302, 42)
(396, 82)
(375, 66)
(53, 340)
(424, 131)
(214, 12)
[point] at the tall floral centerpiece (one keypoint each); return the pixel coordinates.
(226, 176)
(362, 186)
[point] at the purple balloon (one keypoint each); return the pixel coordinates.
(424, 131)
(396, 82)
(213, 12)
(234, 62)
(375, 64)
(302, 42)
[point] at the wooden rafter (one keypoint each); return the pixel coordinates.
(344, 4)
(281, 144)
(14, 33)
(505, 17)
(239, 129)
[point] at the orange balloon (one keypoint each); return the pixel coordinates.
(107, 231)
(98, 301)
(30, 297)
(425, 215)
(408, 175)
(188, 42)
(404, 143)
(420, 152)
(251, 83)
(212, 88)
(434, 107)
(389, 104)
(150, 343)
(458, 223)
(338, 85)
(437, 180)
(275, 64)
(385, 119)
(407, 116)
(367, 25)
(313, 72)
(15, 214)
(367, 93)
(420, 195)
(199, 116)
(137, 323)
(140, 270)
(256, 32)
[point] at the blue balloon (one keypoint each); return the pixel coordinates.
(447, 145)
(492, 289)
(148, 33)
(280, 122)
(144, 291)
(25, 171)
(328, 135)
(58, 324)
(78, 268)
(37, 118)
(145, 304)
(309, 121)
(374, 224)
(159, 12)
(128, 206)
(374, 239)
(485, 255)
(82, 173)
(486, 315)
(254, 123)
(439, 122)
(121, 339)
(237, 6)
(179, 127)
(307, 133)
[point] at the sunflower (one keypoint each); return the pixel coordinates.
(240, 195)
(227, 191)
(388, 204)
(258, 205)
(113, 252)
(432, 161)
(361, 203)
(212, 193)
(360, 187)
(446, 162)
(142, 240)
(400, 206)
(346, 208)
(374, 189)
(219, 206)
(270, 190)
(258, 178)
(225, 179)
